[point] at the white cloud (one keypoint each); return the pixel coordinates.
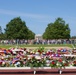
(29, 15)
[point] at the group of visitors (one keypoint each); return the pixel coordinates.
(37, 41)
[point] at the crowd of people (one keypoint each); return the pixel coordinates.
(37, 41)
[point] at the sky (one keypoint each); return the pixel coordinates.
(38, 13)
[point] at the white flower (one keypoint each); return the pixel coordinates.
(14, 52)
(15, 65)
(24, 52)
(3, 63)
(37, 57)
(37, 53)
(2, 58)
(47, 64)
(31, 52)
(29, 58)
(18, 63)
(58, 64)
(37, 61)
(63, 61)
(47, 61)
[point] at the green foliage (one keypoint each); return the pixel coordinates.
(31, 35)
(2, 35)
(17, 29)
(57, 30)
(36, 63)
(73, 37)
(41, 49)
(0, 30)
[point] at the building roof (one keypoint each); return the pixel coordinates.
(38, 35)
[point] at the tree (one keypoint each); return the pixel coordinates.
(0, 30)
(57, 30)
(17, 29)
(1, 34)
(73, 37)
(31, 35)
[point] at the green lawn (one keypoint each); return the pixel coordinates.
(52, 45)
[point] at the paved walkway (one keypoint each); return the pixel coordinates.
(39, 72)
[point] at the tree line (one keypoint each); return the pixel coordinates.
(17, 29)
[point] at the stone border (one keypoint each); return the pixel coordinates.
(9, 68)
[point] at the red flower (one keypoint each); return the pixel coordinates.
(74, 62)
(39, 51)
(0, 63)
(53, 62)
(65, 64)
(60, 60)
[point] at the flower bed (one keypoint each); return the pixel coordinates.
(22, 57)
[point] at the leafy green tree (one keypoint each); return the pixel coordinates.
(73, 37)
(0, 30)
(57, 30)
(17, 29)
(31, 35)
(1, 34)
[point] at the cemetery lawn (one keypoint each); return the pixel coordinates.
(35, 45)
